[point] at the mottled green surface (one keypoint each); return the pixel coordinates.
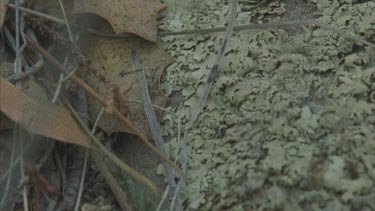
(290, 121)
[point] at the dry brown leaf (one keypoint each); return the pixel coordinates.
(114, 68)
(133, 16)
(3, 9)
(29, 87)
(44, 119)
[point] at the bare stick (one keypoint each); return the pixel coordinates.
(243, 27)
(58, 89)
(82, 180)
(66, 22)
(4, 199)
(215, 69)
(153, 123)
(153, 105)
(19, 76)
(266, 26)
(112, 181)
(210, 81)
(82, 110)
(113, 157)
(102, 101)
(165, 194)
(18, 84)
(117, 191)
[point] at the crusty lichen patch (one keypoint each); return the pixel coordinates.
(290, 121)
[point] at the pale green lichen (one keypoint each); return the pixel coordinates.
(289, 122)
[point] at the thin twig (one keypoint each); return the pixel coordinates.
(165, 194)
(34, 69)
(39, 14)
(81, 108)
(46, 154)
(76, 170)
(153, 123)
(58, 89)
(60, 167)
(119, 194)
(10, 168)
(242, 27)
(66, 22)
(175, 197)
(8, 175)
(61, 79)
(113, 157)
(266, 26)
(82, 180)
(18, 84)
(153, 105)
(102, 100)
(197, 108)
(67, 76)
(14, 43)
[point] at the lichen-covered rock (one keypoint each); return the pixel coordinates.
(290, 120)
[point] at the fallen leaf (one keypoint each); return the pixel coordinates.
(3, 9)
(29, 87)
(44, 119)
(132, 16)
(115, 69)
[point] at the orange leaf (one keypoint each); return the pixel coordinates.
(44, 119)
(133, 16)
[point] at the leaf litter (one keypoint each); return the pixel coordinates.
(147, 51)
